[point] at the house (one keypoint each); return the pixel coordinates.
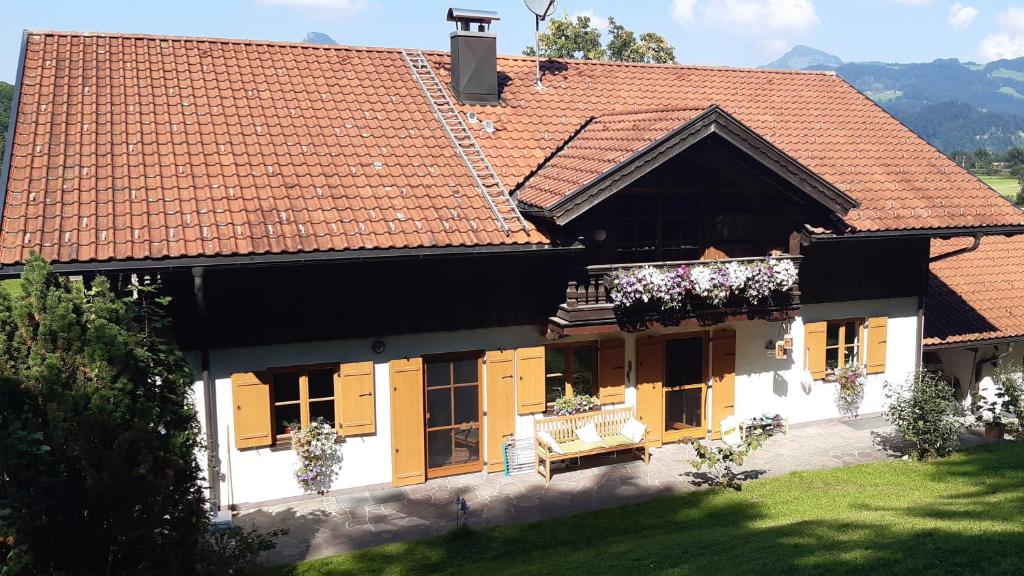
(417, 245)
(973, 321)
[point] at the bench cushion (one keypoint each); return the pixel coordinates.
(577, 446)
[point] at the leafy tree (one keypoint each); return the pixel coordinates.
(98, 437)
(1014, 156)
(6, 96)
(578, 39)
(925, 414)
(982, 160)
(623, 46)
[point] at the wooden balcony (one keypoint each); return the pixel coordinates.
(588, 305)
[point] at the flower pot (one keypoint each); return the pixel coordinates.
(995, 430)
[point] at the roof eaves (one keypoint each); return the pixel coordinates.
(12, 125)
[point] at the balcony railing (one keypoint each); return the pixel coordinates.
(588, 301)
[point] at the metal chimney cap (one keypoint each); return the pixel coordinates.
(484, 16)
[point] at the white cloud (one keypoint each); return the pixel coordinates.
(684, 11)
(749, 16)
(596, 21)
(333, 7)
(961, 16)
(1010, 42)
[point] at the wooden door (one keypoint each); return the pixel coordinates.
(650, 401)
(408, 445)
(685, 386)
(500, 419)
(723, 378)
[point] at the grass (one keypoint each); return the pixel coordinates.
(961, 515)
(1005, 185)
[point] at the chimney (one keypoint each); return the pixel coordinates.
(474, 56)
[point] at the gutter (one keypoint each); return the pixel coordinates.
(941, 233)
(974, 246)
(294, 258)
(974, 343)
(12, 124)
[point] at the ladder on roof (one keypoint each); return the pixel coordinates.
(486, 179)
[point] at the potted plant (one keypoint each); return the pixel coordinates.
(566, 405)
(849, 381)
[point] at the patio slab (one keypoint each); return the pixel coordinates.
(327, 526)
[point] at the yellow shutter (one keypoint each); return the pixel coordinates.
(530, 380)
(501, 405)
(611, 374)
(354, 406)
(250, 395)
(408, 445)
(877, 334)
(723, 378)
(814, 346)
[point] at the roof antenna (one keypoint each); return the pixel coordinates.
(541, 10)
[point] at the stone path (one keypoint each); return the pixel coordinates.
(331, 525)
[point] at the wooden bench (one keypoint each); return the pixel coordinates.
(563, 430)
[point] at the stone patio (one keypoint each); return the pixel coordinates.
(331, 525)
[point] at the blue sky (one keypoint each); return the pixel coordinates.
(729, 32)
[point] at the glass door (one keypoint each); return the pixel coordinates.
(453, 415)
(685, 387)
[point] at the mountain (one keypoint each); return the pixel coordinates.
(803, 57)
(318, 38)
(954, 105)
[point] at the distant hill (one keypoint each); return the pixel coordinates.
(6, 94)
(318, 38)
(954, 105)
(803, 57)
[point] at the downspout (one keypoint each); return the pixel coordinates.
(974, 246)
(209, 395)
(994, 359)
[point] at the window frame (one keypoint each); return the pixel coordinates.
(841, 346)
(304, 400)
(655, 213)
(472, 466)
(570, 391)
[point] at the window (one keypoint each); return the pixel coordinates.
(842, 343)
(300, 396)
(685, 384)
(453, 411)
(569, 370)
(652, 227)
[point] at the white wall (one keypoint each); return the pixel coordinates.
(763, 384)
(960, 363)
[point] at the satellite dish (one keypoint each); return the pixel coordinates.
(542, 8)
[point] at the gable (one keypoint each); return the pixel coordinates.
(611, 152)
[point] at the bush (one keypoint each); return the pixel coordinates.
(925, 413)
(719, 460)
(98, 437)
(233, 550)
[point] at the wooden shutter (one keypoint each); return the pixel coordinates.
(877, 334)
(354, 406)
(530, 380)
(650, 394)
(723, 378)
(814, 347)
(250, 393)
(408, 449)
(611, 374)
(501, 405)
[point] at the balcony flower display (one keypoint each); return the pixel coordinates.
(713, 283)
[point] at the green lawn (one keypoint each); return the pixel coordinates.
(962, 515)
(1005, 185)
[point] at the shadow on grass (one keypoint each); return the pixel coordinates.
(758, 531)
(706, 480)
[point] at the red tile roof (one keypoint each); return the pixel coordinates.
(977, 295)
(138, 147)
(601, 143)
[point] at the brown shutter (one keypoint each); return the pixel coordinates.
(354, 406)
(250, 395)
(650, 394)
(877, 330)
(501, 405)
(723, 378)
(611, 374)
(530, 380)
(814, 346)
(408, 449)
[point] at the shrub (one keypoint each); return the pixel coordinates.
(233, 550)
(925, 413)
(719, 460)
(98, 437)
(1008, 381)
